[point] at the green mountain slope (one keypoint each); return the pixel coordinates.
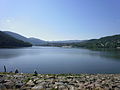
(7, 41)
(104, 42)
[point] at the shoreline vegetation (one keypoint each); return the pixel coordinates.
(7, 41)
(109, 42)
(20, 81)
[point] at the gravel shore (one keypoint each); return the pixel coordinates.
(14, 81)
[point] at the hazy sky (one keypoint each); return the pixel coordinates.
(61, 19)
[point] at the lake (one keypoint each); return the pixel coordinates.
(56, 60)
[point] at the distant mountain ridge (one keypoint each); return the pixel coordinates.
(36, 41)
(33, 41)
(7, 41)
(104, 42)
(67, 41)
(17, 36)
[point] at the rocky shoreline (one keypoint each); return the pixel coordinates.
(13, 81)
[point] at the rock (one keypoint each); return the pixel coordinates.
(97, 85)
(58, 83)
(65, 82)
(39, 81)
(2, 86)
(35, 79)
(25, 88)
(71, 88)
(62, 87)
(19, 85)
(9, 84)
(99, 88)
(18, 76)
(30, 83)
(39, 87)
(1, 76)
(2, 80)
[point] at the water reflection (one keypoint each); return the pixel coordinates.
(14, 53)
(7, 53)
(61, 60)
(107, 53)
(17, 52)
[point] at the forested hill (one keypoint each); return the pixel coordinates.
(104, 42)
(7, 41)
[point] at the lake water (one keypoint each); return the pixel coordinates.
(55, 60)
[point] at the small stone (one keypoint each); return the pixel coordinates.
(1, 75)
(39, 81)
(1, 86)
(38, 87)
(30, 83)
(58, 83)
(19, 85)
(71, 88)
(9, 84)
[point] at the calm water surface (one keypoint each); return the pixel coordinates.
(60, 60)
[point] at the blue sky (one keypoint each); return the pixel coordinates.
(61, 19)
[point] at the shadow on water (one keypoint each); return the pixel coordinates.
(9, 53)
(107, 53)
